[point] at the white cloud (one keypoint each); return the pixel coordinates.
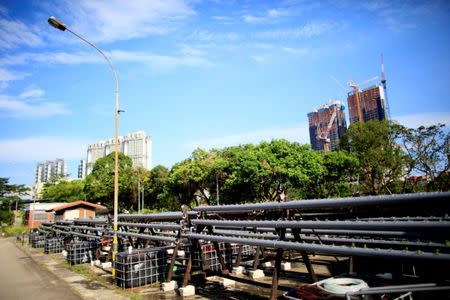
(425, 119)
(188, 56)
(400, 16)
(298, 134)
(309, 30)
(17, 33)
(39, 148)
(208, 36)
(278, 13)
(222, 19)
(6, 76)
(32, 93)
(112, 20)
(297, 51)
(253, 19)
(270, 16)
(3, 10)
(258, 58)
(29, 105)
(51, 58)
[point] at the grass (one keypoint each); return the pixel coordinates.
(85, 271)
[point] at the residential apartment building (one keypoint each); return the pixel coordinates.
(327, 125)
(82, 167)
(45, 171)
(137, 145)
(372, 103)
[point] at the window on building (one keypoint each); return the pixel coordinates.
(40, 217)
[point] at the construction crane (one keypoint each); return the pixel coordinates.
(325, 133)
(355, 87)
(383, 81)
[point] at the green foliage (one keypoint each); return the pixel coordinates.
(15, 230)
(6, 217)
(245, 173)
(370, 162)
(9, 197)
(429, 151)
(381, 160)
(341, 169)
(99, 185)
(266, 171)
(158, 196)
(193, 180)
(64, 190)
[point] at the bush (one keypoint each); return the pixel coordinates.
(15, 230)
(6, 217)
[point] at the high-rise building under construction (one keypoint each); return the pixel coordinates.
(372, 102)
(327, 125)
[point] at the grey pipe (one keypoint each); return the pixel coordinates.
(326, 249)
(152, 225)
(78, 234)
(157, 216)
(87, 228)
(91, 221)
(444, 226)
(397, 289)
(404, 199)
(147, 237)
(385, 243)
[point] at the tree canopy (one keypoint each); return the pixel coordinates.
(99, 184)
(428, 149)
(381, 159)
(9, 195)
(374, 158)
(64, 190)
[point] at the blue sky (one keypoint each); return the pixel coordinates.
(206, 73)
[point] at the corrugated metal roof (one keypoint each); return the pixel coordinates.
(43, 206)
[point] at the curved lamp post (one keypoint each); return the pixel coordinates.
(61, 26)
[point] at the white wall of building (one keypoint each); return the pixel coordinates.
(137, 145)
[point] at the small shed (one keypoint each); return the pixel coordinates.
(77, 210)
(36, 213)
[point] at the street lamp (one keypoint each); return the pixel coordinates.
(61, 26)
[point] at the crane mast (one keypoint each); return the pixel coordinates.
(324, 134)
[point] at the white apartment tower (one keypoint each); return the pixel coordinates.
(137, 145)
(45, 171)
(82, 169)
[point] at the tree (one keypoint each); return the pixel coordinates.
(158, 195)
(266, 171)
(341, 168)
(9, 194)
(381, 160)
(142, 177)
(429, 153)
(99, 185)
(193, 180)
(64, 190)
